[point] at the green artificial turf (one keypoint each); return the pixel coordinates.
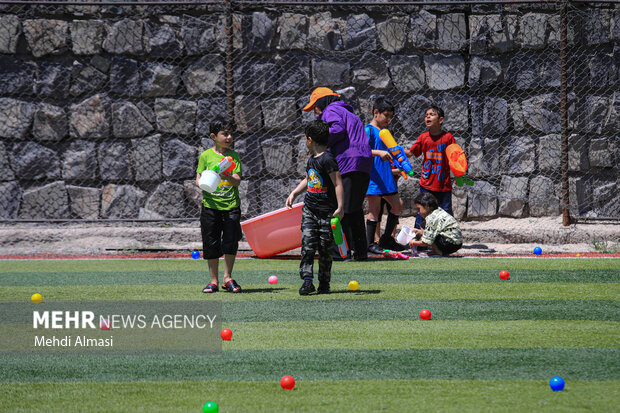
(274, 265)
(258, 292)
(384, 334)
(326, 364)
(490, 310)
(342, 276)
(313, 396)
(423, 334)
(491, 345)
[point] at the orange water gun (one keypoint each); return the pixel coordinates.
(398, 153)
(226, 165)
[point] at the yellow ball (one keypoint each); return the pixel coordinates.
(36, 298)
(353, 285)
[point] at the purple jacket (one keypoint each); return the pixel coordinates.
(348, 141)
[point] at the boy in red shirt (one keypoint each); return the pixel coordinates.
(435, 177)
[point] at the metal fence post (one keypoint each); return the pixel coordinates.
(229, 62)
(566, 219)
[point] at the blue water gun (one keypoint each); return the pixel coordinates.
(398, 153)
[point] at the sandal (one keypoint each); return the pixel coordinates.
(210, 288)
(232, 286)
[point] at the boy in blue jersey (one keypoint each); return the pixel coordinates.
(382, 182)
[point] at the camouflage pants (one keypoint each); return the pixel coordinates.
(316, 235)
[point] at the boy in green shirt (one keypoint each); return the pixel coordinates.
(220, 215)
(442, 232)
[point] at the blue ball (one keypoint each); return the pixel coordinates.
(556, 383)
(537, 250)
(195, 254)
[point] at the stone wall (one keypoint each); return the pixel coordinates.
(104, 110)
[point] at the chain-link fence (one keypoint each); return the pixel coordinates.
(106, 106)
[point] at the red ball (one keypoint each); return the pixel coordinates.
(287, 382)
(504, 275)
(425, 314)
(226, 334)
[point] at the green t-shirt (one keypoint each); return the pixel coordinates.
(226, 196)
(439, 222)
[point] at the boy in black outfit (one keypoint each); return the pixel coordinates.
(323, 200)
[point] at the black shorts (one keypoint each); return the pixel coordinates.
(445, 246)
(221, 232)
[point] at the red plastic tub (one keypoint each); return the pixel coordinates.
(274, 232)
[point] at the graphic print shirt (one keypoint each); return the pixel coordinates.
(435, 168)
(320, 193)
(226, 196)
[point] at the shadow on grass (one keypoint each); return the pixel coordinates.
(483, 247)
(261, 290)
(363, 292)
(370, 258)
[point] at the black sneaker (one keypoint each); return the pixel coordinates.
(399, 247)
(307, 287)
(375, 249)
(323, 288)
(389, 243)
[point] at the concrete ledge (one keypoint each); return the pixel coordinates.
(501, 235)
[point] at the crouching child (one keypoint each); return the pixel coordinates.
(442, 232)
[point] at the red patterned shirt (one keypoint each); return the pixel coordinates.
(435, 169)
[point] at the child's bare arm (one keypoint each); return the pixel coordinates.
(197, 179)
(417, 243)
(415, 149)
(234, 179)
(337, 180)
(384, 155)
(301, 187)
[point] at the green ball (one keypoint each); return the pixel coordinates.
(210, 407)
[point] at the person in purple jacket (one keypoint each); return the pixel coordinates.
(348, 142)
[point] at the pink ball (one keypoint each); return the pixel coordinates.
(504, 275)
(273, 279)
(425, 314)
